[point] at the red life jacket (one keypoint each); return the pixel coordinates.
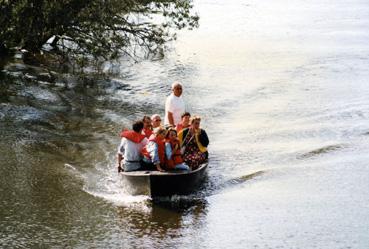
(176, 155)
(180, 127)
(161, 149)
(132, 136)
(147, 132)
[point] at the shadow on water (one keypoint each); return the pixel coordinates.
(59, 112)
(180, 203)
(163, 220)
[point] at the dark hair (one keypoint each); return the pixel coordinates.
(138, 126)
(145, 117)
(169, 130)
(185, 114)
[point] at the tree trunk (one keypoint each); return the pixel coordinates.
(3, 49)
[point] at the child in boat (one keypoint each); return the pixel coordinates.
(173, 152)
(154, 151)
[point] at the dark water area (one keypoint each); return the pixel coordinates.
(283, 92)
(59, 134)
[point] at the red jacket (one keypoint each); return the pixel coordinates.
(161, 149)
(147, 132)
(176, 155)
(132, 136)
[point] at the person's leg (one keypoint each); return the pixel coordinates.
(182, 166)
(147, 166)
(132, 166)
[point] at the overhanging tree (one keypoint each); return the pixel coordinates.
(100, 28)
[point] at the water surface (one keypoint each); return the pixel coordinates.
(283, 91)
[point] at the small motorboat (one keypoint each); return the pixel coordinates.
(168, 183)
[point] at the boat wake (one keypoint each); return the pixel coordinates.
(120, 199)
(103, 182)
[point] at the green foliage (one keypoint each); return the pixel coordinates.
(98, 28)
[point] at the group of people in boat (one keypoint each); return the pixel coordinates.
(178, 145)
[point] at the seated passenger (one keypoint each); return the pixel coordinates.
(185, 121)
(154, 151)
(129, 150)
(155, 121)
(147, 129)
(173, 152)
(194, 142)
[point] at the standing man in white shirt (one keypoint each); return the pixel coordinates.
(174, 106)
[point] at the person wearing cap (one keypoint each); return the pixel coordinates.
(155, 121)
(129, 150)
(174, 106)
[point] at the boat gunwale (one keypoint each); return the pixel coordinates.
(165, 173)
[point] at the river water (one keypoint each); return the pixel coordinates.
(283, 90)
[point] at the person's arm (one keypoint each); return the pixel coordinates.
(154, 154)
(204, 140)
(169, 110)
(144, 142)
(170, 118)
(168, 151)
(120, 154)
(152, 148)
(119, 158)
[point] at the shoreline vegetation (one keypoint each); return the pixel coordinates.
(80, 34)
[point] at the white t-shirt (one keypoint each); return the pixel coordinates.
(176, 106)
(131, 151)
